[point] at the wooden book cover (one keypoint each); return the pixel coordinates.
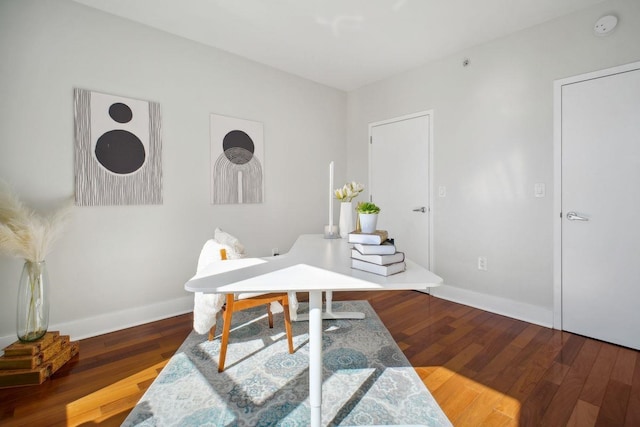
(20, 362)
(35, 376)
(32, 348)
(63, 357)
(12, 378)
(55, 348)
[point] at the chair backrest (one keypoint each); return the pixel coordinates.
(212, 251)
(231, 242)
(222, 246)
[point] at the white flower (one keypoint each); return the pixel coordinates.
(24, 233)
(349, 191)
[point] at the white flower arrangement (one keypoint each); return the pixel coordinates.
(349, 191)
(24, 233)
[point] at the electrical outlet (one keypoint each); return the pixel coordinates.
(482, 263)
(275, 252)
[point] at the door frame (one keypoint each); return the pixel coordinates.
(557, 172)
(429, 115)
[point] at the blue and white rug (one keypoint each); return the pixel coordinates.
(367, 380)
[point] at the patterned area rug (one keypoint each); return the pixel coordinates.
(367, 380)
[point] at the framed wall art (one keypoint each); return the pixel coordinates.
(237, 160)
(118, 150)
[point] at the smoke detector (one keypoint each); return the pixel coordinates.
(605, 25)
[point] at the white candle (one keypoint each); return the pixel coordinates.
(331, 197)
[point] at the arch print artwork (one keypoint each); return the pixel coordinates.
(118, 150)
(237, 153)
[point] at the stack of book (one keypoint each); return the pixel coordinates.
(375, 253)
(33, 363)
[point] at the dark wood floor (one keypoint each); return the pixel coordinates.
(482, 368)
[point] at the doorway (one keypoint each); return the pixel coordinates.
(597, 235)
(400, 165)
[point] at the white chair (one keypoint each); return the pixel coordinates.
(222, 247)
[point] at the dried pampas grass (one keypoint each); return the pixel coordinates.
(24, 233)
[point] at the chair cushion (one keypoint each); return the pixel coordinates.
(245, 295)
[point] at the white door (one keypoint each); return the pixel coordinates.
(600, 223)
(399, 182)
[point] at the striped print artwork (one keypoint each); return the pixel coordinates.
(118, 150)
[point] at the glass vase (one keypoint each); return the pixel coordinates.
(33, 302)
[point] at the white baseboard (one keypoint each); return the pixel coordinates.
(109, 322)
(503, 306)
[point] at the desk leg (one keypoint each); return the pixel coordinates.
(315, 357)
(329, 314)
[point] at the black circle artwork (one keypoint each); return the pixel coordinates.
(120, 152)
(120, 112)
(238, 147)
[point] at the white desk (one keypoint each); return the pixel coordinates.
(313, 265)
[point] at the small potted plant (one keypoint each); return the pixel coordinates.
(368, 215)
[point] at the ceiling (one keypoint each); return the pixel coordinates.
(344, 44)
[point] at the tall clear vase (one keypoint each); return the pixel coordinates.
(346, 219)
(33, 302)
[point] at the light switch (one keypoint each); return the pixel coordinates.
(442, 191)
(539, 190)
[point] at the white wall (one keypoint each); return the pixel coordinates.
(493, 140)
(121, 265)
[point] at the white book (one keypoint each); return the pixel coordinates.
(382, 270)
(375, 238)
(385, 248)
(378, 259)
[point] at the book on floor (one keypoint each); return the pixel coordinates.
(34, 362)
(382, 270)
(378, 259)
(385, 248)
(375, 238)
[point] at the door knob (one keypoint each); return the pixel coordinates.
(420, 209)
(572, 216)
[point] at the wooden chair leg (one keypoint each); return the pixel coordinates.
(212, 333)
(270, 314)
(228, 312)
(226, 329)
(287, 322)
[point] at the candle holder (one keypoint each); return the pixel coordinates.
(331, 232)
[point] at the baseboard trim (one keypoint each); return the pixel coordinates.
(115, 321)
(503, 306)
(110, 322)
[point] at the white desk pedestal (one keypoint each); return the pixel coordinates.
(329, 314)
(315, 357)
